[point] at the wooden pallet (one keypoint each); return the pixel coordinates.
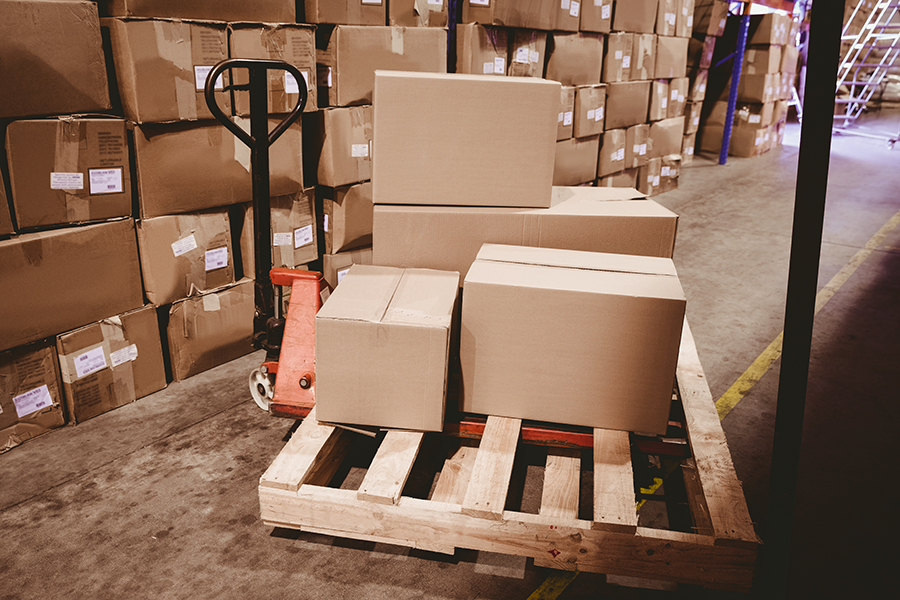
(466, 507)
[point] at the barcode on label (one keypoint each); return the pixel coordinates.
(303, 236)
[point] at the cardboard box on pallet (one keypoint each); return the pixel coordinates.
(643, 57)
(337, 145)
(527, 51)
(590, 101)
(95, 266)
(576, 161)
(346, 217)
(575, 58)
(612, 152)
(665, 137)
(678, 91)
(540, 14)
(415, 13)
(293, 43)
(625, 385)
(596, 16)
(111, 363)
(513, 117)
(687, 148)
(210, 329)
(622, 179)
(684, 18)
(53, 60)
(648, 177)
(710, 17)
(671, 57)
(68, 170)
(659, 100)
(31, 400)
(350, 56)
(764, 59)
(665, 17)
(294, 231)
(272, 11)
(627, 104)
(692, 117)
(636, 138)
(481, 49)
(161, 67)
(566, 118)
(636, 16)
(617, 57)
(335, 266)
(381, 322)
(345, 12)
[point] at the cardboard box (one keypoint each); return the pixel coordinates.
(95, 266)
(294, 231)
(622, 179)
(186, 167)
(759, 88)
(271, 11)
(346, 220)
(351, 55)
(692, 117)
(659, 100)
(580, 218)
(210, 329)
(181, 254)
(770, 28)
(636, 138)
(6, 223)
(423, 122)
(627, 104)
(698, 79)
(665, 17)
(292, 43)
(527, 52)
(337, 145)
(566, 124)
(345, 12)
(636, 16)
(111, 363)
(415, 13)
(590, 101)
(665, 137)
(678, 91)
(670, 166)
(710, 17)
(585, 301)
(779, 111)
(790, 54)
(648, 177)
(383, 348)
(567, 16)
(68, 170)
(762, 59)
(161, 67)
(748, 115)
(335, 266)
(700, 52)
(53, 61)
(576, 161)
(481, 49)
(596, 16)
(539, 14)
(684, 18)
(575, 58)
(31, 400)
(617, 57)
(612, 152)
(745, 141)
(687, 148)
(643, 57)
(671, 57)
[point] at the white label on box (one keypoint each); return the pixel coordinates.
(127, 354)
(626, 62)
(620, 155)
(216, 258)
(690, 21)
(375, 2)
(613, 156)
(680, 97)
(66, 181)
(559, 119)
(564, 4)
(488, 68)
(522, 55)
(325, 294)
(665, 101)
(598, 114)
(664, 172)
(656, 180)
(303, 236)
(105, 181)
(211, 303)
(535, 56)
(689, 150)
(650, 179)
(283, 239)
(684, 10)
(325, 223)
(670, 18)
(590, 115)
(755, 118)
(436, 2)
(290, 84)
(90, 362)
(721, 23)
(200, 74)
(674, 94)
(568, 119)
(643, 149)
(184, 245)
(618, 55)
(574, 8)
(341, 273)
(359, 150)
(32, 401)
(636, 149)
(480, 2)
(328, 79)
(500, 65)
(697, 120)
(604, 11)
(702, 88)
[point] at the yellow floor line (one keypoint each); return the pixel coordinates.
(761, 365)
(553, 586)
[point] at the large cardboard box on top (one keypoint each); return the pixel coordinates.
(31, 399)
(111, 363)
(602, 352)
(58, 280)
(68, 170)
(416, 13)
(481, 49)
(591, 219)
(383, 348)
(349, 57)
(596, 15)
(271, 11)
(636, 16)
(345, 12)
(499, 133)
(52, 59)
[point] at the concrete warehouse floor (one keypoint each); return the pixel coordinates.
(158, 499)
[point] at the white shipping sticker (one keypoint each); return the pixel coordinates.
(90, 362)
(674, 94)
(590, 115)
(522, 55)
(535, 56)
(618, 55)
(436, 2)
(721, 23)
(564, 4)
(574, 8)
(684, 10)
(480, 2)
(755, 118)
(636, 149)
(620, 155)
(690, 21)
(598, 114)
(670, 18)
(283, 239)
(613, 157)
(626, 62)
(488, 68)
(359, 150)
(604, 11)
(568, 119)
(376, 2)
(127, 354)
(656, 180)
(664, 172)
(211, 303)
(216, 258)
(702, 87)
(696, 120)
(303, 236)
(325, 223)
(500, 65)
(32, 401)
(105, 181)
(290, 82)
(757, 142)
(560, 118)
(643, 149)
(66, 181)
(341, 273)
(200, 74)
(184, 245)
(665, 101)
(689, 150)
(328, 79)
(680, 97)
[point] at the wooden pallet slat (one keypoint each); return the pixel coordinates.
(454, 478)
(391, 466)
(614, 505)
(562, 484)
(486, 494)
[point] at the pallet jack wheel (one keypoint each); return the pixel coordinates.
(262, 388)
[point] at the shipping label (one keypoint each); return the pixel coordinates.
(211, 303)
(90, 362)
(127, 354)
(184, 245)
(303, 236)
(574, 7)
(66, 181)
(32, 401)
(523, 56)
(359, 150)
(106, 181)
(604, 10)
(567, 120)
(341, 273)
(216, 258)
(283, 239)
(500, 65)
(200, 74)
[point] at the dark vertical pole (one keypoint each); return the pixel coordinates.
(735, 81)
(259, 160)
(809, 215)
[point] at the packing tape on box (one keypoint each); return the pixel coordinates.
(70, 136)
(121, 358)
(273, 40)
(397, 40)
(170, 42)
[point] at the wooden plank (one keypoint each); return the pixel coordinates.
(724, 495)
(614, 504)
(454, 477)
(391, 466)
(562, 484)
(696, 501)
(486, 494)
(418, 544)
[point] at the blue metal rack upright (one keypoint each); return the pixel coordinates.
(738, 57)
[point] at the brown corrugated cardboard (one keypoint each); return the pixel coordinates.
(710, 16)
(684, 18)
(345, 12)
(346, 219)
(351, 55)
(186, 253)
(665, 137)
(671, 57)
(643, 57)
(292, 43)
(761, 59)
(94, 269)
(211, 329)
(636, 138)
(627, 104)
(745, 141)
(779, 111)
(789, 56)
(759, 88)
(648, 177)
(575, 58)
(637, 16)
(590, 101)
(622, 179)
(748, 115)
(770, 28)
(294, 231)
(698, 79)
(576, 161)
(687, 148)
(539, 14)
(383, 348)
(700, 52)
(53, 61)
(185, 167)
(678, 90)
(692, 116)
(68, 170)
(6, 224)
(567, 16)
(111, 363)
(659, 100)
(670, 166)
(617, 57)
(566, 126)
(606, 341)
(665, 17)
(425, 121)
(335, 266)
(161, 67)
(527, 51)
(612, 153)
(596, 15)
(481, 49)
(418, 13)
(31, 400)
(272, 11)
(580, 218)
(337, 145)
